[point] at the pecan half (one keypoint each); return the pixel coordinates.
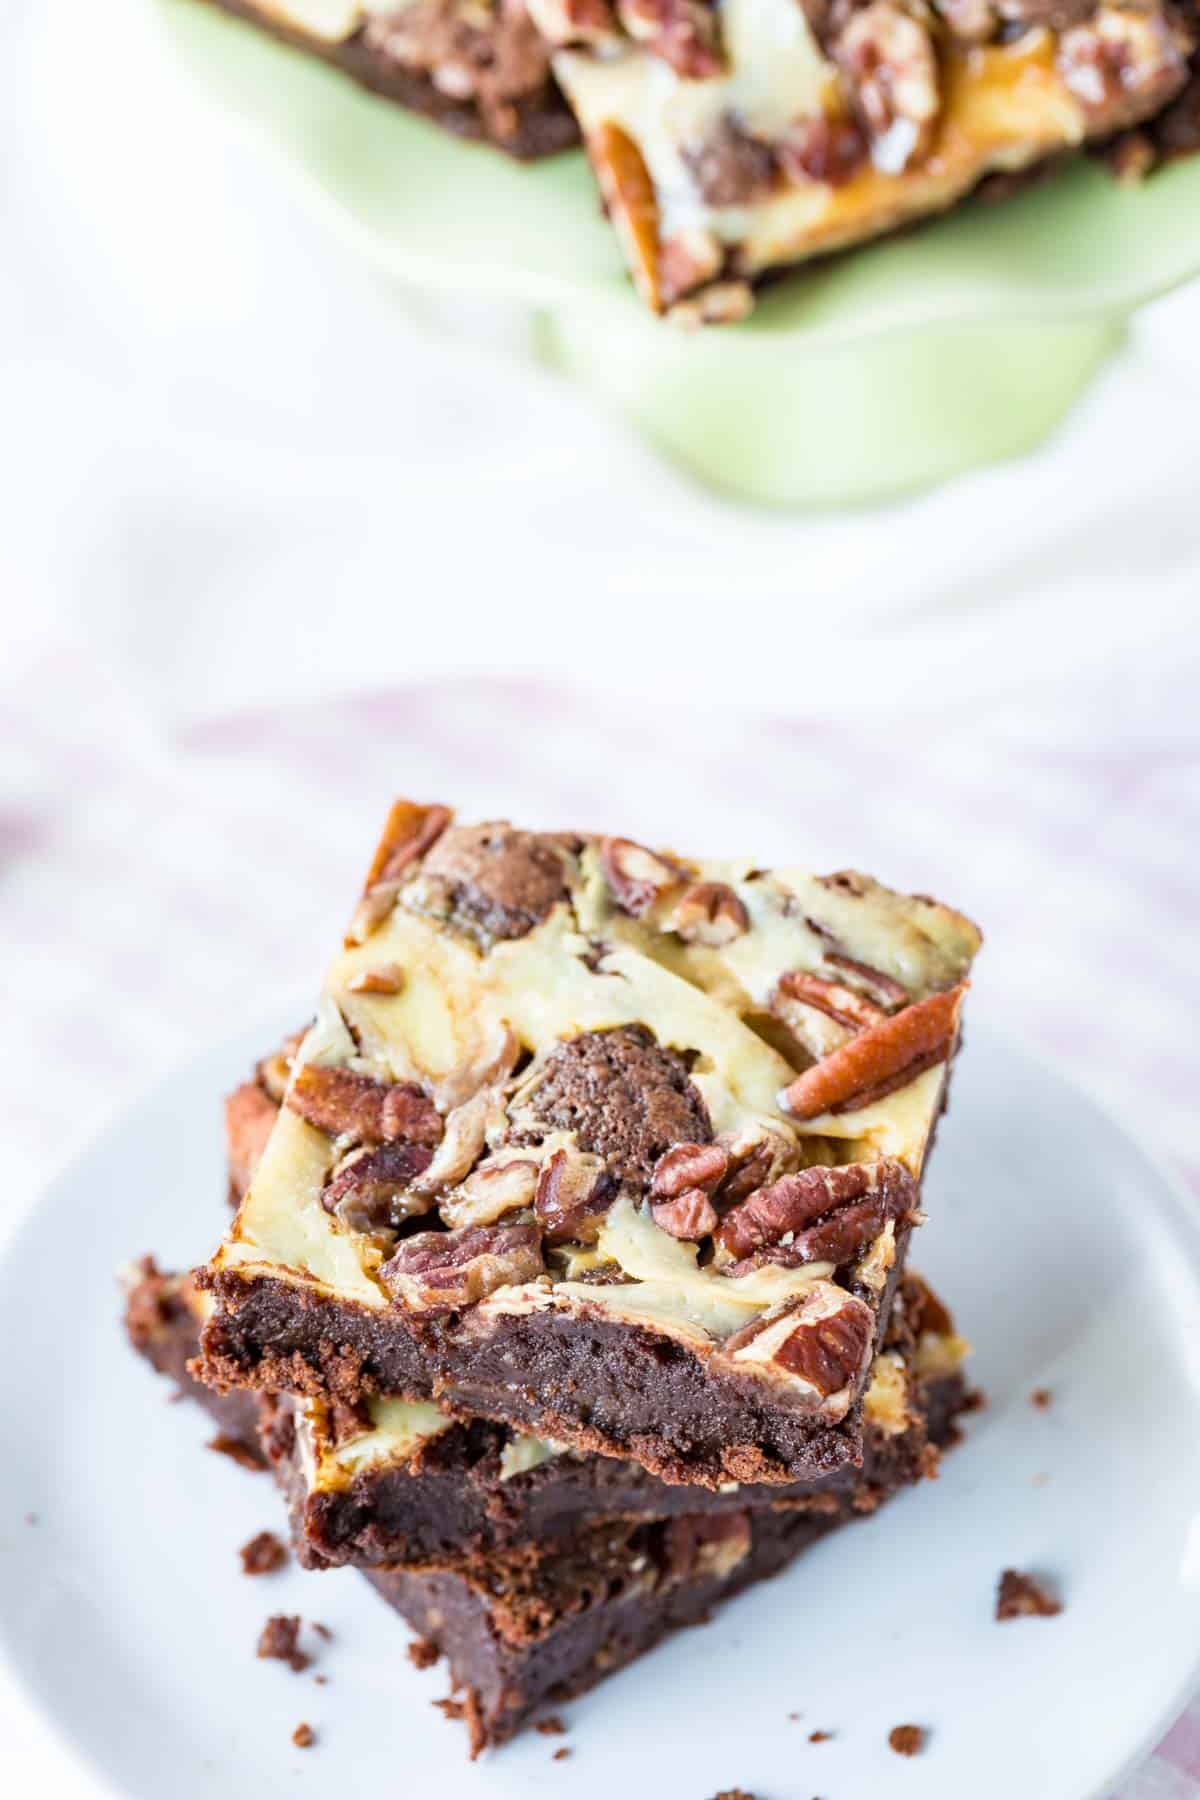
(1124, 62)
(408, 833)
(629, 195)
(343, 1102)
(889, 59)
(436, 1271)
(755, 1156)
(796, 1202)
(637, 876)
(837, 1239)
(710, 913)
(836, 1001)
(1021, 1596)
(493, 1190)
(823, 1341)
(881, 988)
(689, 1215)
(685, 1166)
(878, 1061)
(684, 33)
(574, 1192)
(374, 1191)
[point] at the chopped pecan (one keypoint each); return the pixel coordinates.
(703, 1166)
(629, 195)
(837, 1002)
(441, 1270)
(408, 833)
(463, 1140)
(732, 167)
(574, 1192)
(690, 257)
(710, 913)
(341, 1101)
(755, 1156)
(493, 1064)
(575, 21)
(374, 1190)
(796, 1202)
(1020, 1596)
(690, 1215)
(385, 978)
(493, 1190)
(880, 987)
(889, 59)
(274, 1072)
(684, 33)
(250, 1117)
(878, 1061)
(1124, 63)
(637, 876)
(823, 1340)
(828, 150)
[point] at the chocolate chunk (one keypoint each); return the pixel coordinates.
(626, 1099)
(489, 881)
(279, 1641)
(263, 1554)
(1020, 1596)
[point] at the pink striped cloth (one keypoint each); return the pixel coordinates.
(159, 884)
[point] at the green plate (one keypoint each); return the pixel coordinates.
(876, 373)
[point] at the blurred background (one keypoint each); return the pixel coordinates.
(278, 543)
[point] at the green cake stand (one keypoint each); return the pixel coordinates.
(873, 375)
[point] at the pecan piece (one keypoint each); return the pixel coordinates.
(822, 1341)
(493, 1190)
(341, 1101)
(886, 993)
(437, 1271)
(1020, 1596)
(629, 195)
(374, 1190)
(385, 978)
(710, 913)
(463, 1140)
(637, 876)
(889, 59)
(878, 1061)
(732, 167)
(685, 1166)
(798, 1201)
(575, 21)
(690, 1215)
(1124, 63)
(838, 1239)
(408, 833)
(574, 1192)
(250, 1117)
(690, 257)
(839, 1003)
(684, 33)
(827, 150)
(274, 1072)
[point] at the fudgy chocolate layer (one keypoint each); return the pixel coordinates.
(541, 124)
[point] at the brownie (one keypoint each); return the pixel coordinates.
(618, 1147)
(407, 1485)
(478, 68)
(730, 141)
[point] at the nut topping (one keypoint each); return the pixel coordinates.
(628, 194)
(837, 1239)
(637, 876)
(710, 913)
(683, 32)
(341, 1102)
(822, 1341)
(878, 1061)
(386, 978)
(575, 21)
(839, 1003)
(796, 1202)
(440, 1270)
(409, 832)
(1115, 61)
(702, 1166)
(493, 1190)
(689, 259)
(463, 1141)
(888, 56)
(374, 1190)
(690, 1215)
(574, 1192)
(882, 989)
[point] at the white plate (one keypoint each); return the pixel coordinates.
(1070, 1262)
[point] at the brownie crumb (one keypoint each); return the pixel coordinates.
(466, 1709)
(819, 1737)
(422, 1654)
(1022, 1597)
(279, 1642)
(550, 1727)
(237, 1452)
(562, 1753)
(304, 1737)
(907, 1740)
(263, 1554)
(976, 1401)
(322, 1631)
(1041, 1398)
(321, 1680)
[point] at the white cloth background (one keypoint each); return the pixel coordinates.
(271, 548)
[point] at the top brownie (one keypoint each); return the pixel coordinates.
(607, 1143)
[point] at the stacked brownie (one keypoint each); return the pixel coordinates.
(732, 138)
(567, 1290)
